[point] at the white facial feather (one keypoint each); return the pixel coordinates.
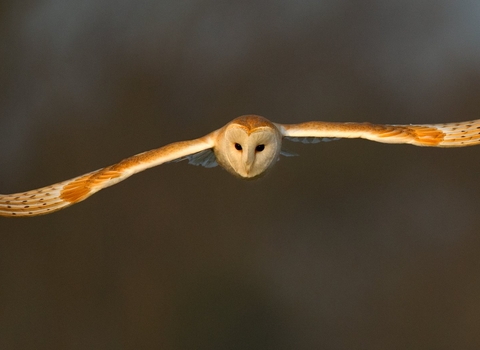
(247, 147)
(248, 154)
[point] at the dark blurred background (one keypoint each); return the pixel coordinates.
(352, 245)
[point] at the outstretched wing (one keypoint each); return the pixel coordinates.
(63, 194)
(434, 135)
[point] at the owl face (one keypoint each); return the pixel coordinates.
(248, 150)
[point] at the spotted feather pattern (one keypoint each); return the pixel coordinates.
(49, 199)
(459, 134)
(44, 200)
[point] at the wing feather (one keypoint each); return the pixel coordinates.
(204, 158)
(459, 134)
(63, 194)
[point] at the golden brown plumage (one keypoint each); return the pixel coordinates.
(440, 135)
(247, 147)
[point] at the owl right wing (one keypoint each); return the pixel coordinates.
(459, 134)
(63, 194)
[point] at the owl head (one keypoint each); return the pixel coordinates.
(248, 146)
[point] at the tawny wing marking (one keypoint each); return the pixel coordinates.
(435, 135)
(63, 194)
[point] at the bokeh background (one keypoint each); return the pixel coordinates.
(351, 245)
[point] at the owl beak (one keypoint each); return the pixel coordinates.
(248, 158)
(247, 168)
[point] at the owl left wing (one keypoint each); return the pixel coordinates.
(63, 194)
(434, 135)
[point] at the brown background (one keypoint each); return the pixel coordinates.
(352, 245)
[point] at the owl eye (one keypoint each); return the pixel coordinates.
(238, 146)
(260, 148)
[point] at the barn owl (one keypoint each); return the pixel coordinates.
(247, 147)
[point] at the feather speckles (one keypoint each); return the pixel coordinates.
(432, 135)
(30, 203)
(246, 147)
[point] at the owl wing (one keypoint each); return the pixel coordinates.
(434, 135)
(63, 194)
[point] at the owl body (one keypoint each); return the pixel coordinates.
(246, 147)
